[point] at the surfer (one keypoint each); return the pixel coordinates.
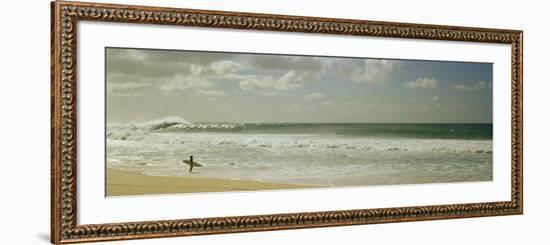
(190, 164)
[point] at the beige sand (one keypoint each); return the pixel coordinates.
(122, 183)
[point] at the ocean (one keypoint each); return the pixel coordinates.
(320, 154)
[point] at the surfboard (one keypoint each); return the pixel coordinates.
(195, 164)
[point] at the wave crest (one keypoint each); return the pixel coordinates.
(138, 131)
(164, 123)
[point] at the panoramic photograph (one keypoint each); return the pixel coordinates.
(181, 121)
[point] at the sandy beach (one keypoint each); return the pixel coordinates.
(123, 183)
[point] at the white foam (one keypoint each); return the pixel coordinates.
(306, 158)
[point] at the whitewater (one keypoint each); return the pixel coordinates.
(321, 154)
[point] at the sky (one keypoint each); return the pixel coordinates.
(144, 84)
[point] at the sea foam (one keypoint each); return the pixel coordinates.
(304, 154)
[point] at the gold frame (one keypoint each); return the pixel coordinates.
(65, 16)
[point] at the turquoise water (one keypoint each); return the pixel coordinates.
(306, 153)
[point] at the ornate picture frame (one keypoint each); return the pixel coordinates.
(64, 107)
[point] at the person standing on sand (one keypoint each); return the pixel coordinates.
(190, 164)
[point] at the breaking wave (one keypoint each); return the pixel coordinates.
(417, 131)
(301, 136)
(164, 123)
(137, 131)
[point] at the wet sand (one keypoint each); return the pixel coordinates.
(124, 183)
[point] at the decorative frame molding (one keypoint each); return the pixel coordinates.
(66, 15)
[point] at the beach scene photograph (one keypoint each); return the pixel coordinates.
(186, 121)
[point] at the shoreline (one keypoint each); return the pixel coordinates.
(127, 183)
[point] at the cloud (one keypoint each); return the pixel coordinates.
(227, 67)
(422, 83)
(175, 72)
(435, 98)
(471, 87)
(281, 63)
(145, 64)
(162, 63)
(302, 70)
(325, 103)
(289, 80)
(358, 104)
(180, 83)
(314, 96)
(374, 70)
(268, 93)
(214, 93)
(157, 72)
(353, 103)
(394, 107)
(128, 88)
